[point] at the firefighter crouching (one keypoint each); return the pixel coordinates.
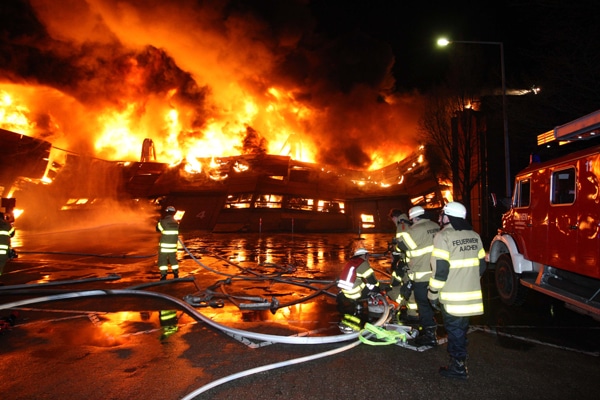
(357, 281)
(457, 263)
(167, 247)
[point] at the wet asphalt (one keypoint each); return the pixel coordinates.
(95, 342)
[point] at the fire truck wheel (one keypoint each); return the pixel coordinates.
(509, 288)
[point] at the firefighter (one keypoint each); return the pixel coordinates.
(167, 248)
(407, 305)
(357, 281)
(417, 243)
(6, 232)
(457, 263)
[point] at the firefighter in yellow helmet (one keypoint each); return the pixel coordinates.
(6, 232)
(167, 247)
(357, 280)
(417, 243)
(457, 263)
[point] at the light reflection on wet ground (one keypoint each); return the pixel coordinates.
(233, 267)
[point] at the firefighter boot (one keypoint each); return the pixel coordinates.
(427, 337)
(457, 368)
(163, 277)
(176, 274)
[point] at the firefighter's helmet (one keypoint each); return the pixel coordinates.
(455, 209)
(360, 252)
(170, 210)
(416, 211)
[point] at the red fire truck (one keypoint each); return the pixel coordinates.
(550, 237)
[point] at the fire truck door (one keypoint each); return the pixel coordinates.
(530, 231)
(588, 223)
(563, 219)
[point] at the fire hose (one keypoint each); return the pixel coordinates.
(259, 303)
(363, 335)
(66, 253)
(194, 314)
(273, 305)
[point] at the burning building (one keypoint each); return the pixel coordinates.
(251, 102)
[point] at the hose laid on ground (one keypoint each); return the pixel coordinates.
(287, 363)
(66, 253)
(196, 315)
(273, 305)
(110, 277)
(268, 367)
(231, 331)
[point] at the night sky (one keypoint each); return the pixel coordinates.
(550, 43)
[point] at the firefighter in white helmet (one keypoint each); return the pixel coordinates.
(407, 306)
(457, 263)
(357, 280)
(167, 247)
(417, 243)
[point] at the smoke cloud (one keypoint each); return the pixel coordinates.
(94, 72)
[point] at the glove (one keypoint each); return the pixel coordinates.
(434, 299)
(384, 288)
(406, 290)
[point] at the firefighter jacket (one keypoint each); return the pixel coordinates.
(169, 229)
(457, 262)
(401, 228)
(356, 277)
(6, 232)
(417, 243)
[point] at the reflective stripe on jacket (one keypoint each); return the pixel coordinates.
(418, 240)
(6, 232)
(460, 289)
(169, 229)
(365, 277)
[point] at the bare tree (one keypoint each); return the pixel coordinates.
(452, 131)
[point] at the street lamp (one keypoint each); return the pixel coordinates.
(445, 42)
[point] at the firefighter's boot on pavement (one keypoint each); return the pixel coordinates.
(163, 277)
(427, 337)
(457, 369)
(176, 274)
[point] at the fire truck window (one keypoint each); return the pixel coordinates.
(563, 186)
(523, 193)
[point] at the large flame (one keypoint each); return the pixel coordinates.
(203, 80)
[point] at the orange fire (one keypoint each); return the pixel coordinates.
(161, 72)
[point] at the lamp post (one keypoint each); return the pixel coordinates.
(444, 42)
